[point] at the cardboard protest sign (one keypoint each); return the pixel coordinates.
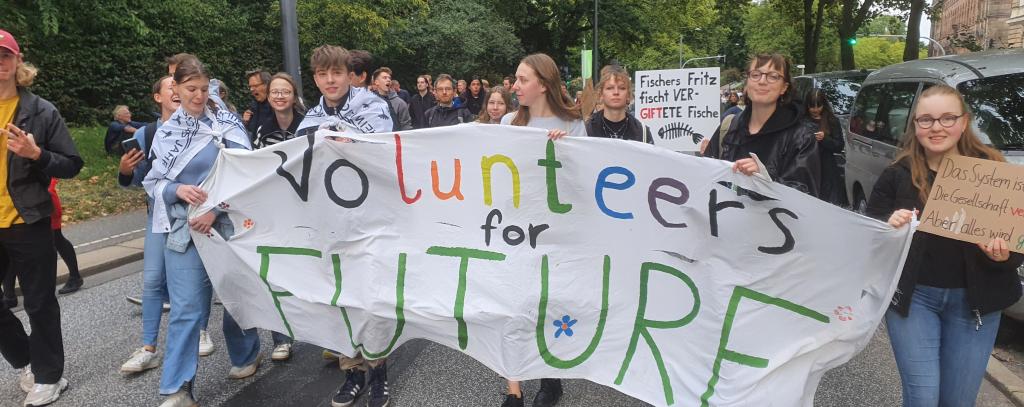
(680, 107)
(657, 273)
(975, 201)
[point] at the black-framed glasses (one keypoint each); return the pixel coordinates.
(771, 77)
(947, 121)
(280, 93)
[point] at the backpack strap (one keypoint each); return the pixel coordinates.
(150, 135)
(725, 128)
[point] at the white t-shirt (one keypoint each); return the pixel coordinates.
(574, 128)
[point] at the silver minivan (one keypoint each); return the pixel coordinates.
(992, 82)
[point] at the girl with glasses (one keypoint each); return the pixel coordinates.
(772, 127)
(288, 113)
(943, 320)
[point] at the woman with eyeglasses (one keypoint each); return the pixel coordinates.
(288, 113)
(829, 136)
(772, 127)
(943, 320)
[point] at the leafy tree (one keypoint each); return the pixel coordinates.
(458, 37)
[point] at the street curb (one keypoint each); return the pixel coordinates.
(103, 259)
(97, 261)
(1006, 381)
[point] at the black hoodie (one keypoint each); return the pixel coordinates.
(785, 145)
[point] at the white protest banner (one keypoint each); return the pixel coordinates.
(976, 200)
(665, 276)
(680, 107)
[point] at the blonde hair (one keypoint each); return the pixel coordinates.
(118, 109)
(26, 74)
(969, 145)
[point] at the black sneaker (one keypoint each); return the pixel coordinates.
(355, 380)
(512, 401)
(72, 285)
(549, 394)
(379, 386)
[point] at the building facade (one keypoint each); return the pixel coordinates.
(975, 25)
(1015, 25)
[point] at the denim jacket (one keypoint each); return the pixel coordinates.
(179, 238)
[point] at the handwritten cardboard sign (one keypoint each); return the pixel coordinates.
(976, 200)
(679, 106)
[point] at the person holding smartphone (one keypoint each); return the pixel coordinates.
(35, 146)
(829, 136)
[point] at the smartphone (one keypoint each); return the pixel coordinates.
(130, 144)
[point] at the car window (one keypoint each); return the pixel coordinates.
(998, 106)
(881, 111)
(841, 93)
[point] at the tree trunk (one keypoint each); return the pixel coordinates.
(819, 18)
(853, 16)
(911, 51)
(810, 51)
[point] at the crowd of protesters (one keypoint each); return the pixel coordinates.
(795, 144)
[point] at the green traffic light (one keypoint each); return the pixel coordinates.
(852, 41)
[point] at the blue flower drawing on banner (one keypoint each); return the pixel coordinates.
(564, 325)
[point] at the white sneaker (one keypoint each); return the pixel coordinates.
(205, 344)
(140, 361)
(43, 394)
(282, 352)
(181, 398)
(237, 373)
(26, 380)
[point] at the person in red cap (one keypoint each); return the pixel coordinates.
(35, 145)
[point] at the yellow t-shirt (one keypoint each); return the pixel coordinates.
(8, 213)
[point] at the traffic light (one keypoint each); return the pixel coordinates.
(852, 41)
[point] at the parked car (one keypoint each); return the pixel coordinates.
(992, 83)
(840, 89)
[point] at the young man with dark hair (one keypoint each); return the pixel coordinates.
(422, 100)
(399, 109)
(360, 65)
(507, 83)
(348, 108)
(446, 113)
(343, 103)
(259, 110)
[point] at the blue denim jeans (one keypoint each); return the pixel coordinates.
(940, 349)
(154, 286)
(190, 293)
(243, 345)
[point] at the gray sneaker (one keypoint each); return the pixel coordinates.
(182, 398)
(26, 380)
(238, 373)
(43, 394)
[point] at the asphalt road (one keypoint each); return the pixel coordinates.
(101, 330)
